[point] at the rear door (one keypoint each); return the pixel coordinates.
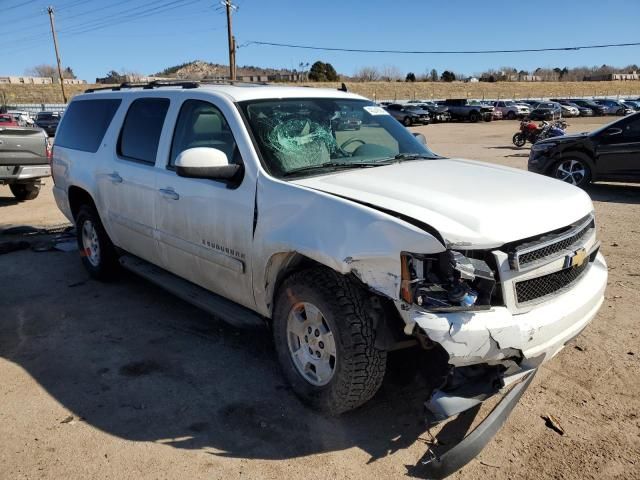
(205, 227)
(618, 155)
(128, 183)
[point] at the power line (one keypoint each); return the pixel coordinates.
(438, 52)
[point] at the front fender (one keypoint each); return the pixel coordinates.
(338, 233)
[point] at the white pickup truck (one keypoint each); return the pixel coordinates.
(249, 202)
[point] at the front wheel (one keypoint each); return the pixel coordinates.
(325, 341)
(519, 140)
(474, 117)
(574, 171)
(406, 121)
(511, 115)
(25, 191)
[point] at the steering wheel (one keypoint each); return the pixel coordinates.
(346, 143)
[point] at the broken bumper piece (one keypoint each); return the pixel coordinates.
(442, 465)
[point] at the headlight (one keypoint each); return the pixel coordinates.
(447, 282)
(542, 147)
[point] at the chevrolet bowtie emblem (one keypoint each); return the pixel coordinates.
(577, 259)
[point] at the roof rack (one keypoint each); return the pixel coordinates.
(173, 83)
(148, 85)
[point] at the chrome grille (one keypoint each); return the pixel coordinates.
(540, 287)
(552, 245)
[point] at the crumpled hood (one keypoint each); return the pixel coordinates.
(472, 204)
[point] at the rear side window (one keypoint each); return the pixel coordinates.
(85, 123)
(141, 130)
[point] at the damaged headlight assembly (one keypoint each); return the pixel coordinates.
(447, 282)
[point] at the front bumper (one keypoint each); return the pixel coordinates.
(496, 336)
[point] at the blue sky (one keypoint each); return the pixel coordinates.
(140, 35)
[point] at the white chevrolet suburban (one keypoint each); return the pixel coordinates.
(255, 203)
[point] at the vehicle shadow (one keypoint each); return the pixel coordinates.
(142, 365)
(509, 147)
(614, 193)
(8, 201)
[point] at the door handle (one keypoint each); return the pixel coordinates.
(115, 178)
(169, 193)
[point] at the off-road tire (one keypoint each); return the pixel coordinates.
(406, 121)
(25, 191)
(474, 117)
(108, 266)
(360, 366)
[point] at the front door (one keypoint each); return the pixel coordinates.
(618, 152)
(205, 227)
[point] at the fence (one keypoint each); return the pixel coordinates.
(37, 107)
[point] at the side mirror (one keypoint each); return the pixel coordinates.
(613, 131)
(420, 137)
(206, 162)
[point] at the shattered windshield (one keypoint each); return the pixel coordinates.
(306, 136)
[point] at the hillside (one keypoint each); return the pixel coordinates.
(386, 90)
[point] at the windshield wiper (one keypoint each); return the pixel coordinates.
(337, 165)
(411, 156)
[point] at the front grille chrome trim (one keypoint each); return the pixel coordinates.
(584, 228)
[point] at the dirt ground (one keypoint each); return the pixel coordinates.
(124, 381)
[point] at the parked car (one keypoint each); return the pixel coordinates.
(546, 111)
(633, 104)
(346, 121)
(463, 109)
(438, 113)
(614, 107)
(425, 115)
(23, 117)
(48, 121)
(7, 120)
(569, 111)
(582, 111)
(609, 153)
(598, 110)
(511, 110)
(345, 244)
(406, 116)
(24, 159)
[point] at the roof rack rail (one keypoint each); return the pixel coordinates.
(148, 85)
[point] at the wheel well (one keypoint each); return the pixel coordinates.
(576, 154)
(389, 325)
(77, 198)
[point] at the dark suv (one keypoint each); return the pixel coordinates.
(610, 153)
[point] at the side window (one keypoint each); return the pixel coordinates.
(85, 123)
(141, 130)
(200, 124)
(631, 130)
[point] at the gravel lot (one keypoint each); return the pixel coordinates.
(124, 381)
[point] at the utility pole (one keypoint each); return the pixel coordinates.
(231, 39)
(55, 46)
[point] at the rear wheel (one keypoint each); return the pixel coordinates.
(574, 171)
(98, 254)
(325, 341)
(519, 140)
(25, 191)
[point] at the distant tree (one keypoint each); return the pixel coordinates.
(68, 73)
(390, 73)
(43, 71)
(367, 74)
(447, 76)
(434, 75)
(330, 72)
(322, 72)
(411, 77)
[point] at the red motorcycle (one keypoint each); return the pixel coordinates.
(529, 132)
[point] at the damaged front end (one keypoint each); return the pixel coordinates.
(462, 303)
